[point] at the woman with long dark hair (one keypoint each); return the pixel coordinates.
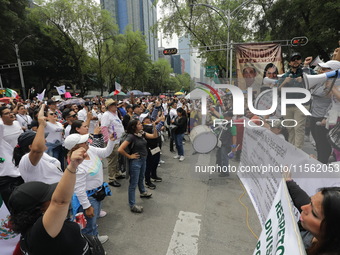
(319, 221)
(181, 123)
(136, 145)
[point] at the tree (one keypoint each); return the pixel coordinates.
(78, 22)
(205, 26)
(318, 20)
(130, 62)
(159, 80)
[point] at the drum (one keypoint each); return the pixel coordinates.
(202, 138)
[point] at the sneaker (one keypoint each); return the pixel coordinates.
(161, 161)
(181, 158)
(156, 179)
(102, 214)
(137, 209)
(103, 239)
(150, 185)
(146, 195)
(177, 156)
(159, 165)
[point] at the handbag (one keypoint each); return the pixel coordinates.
(155, 150)
(95, 246)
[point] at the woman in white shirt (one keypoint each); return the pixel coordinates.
(30, 157)
(54, 131)
(90, 189)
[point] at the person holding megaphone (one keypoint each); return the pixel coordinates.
(293, 79)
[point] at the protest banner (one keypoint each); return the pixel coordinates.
(252, 60)
(265, 155)
(280, 233)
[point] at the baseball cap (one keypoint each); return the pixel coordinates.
(297, 55)
(51, 101)
(30, 195)
(143, 116)
(26, 138)
(120, 102)
(110, 102)
(74, 139)
(332, 64)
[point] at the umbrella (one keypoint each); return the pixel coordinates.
(162, 96)
(5, 100)
(179, 93)
(135, 93)
(76, 101)
(146, 94)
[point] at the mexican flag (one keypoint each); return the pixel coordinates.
(11, 93)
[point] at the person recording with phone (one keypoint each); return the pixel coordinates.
(293, 79)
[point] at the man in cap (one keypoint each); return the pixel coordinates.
(293, 79)
(112, 124)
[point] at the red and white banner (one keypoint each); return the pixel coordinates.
(253, 60)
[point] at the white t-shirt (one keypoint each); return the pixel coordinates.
(7, 168)
(113, 122)
(82, 114)
(90, 172)
(48, 169)
(24, 120)
(173, 113)
(12, 132)
(55, 132)
(67, 130)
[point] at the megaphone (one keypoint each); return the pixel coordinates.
(312, 80)
(268, 81)
(316, 61)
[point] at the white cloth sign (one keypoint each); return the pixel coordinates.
(280, 233)
(264, 155)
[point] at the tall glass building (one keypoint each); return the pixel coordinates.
(140, 14)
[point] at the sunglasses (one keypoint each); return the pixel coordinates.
(73, 116)
(52, 113)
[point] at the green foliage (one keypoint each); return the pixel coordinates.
(285, 19)
(205, 26)
(159, 79)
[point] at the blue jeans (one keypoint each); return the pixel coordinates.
(179, 144)
(137, 172)
(56, 150)
(91, 226)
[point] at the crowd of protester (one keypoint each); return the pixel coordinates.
(76, 144)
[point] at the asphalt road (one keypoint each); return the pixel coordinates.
(189, 213)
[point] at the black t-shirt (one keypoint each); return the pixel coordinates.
(68, 242)
(139, 145)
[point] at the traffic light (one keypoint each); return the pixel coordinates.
(170, 51)
(299, 41)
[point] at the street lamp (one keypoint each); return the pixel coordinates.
(229, 15)
(16, 48)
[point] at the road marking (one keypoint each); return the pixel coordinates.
(184, 239)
